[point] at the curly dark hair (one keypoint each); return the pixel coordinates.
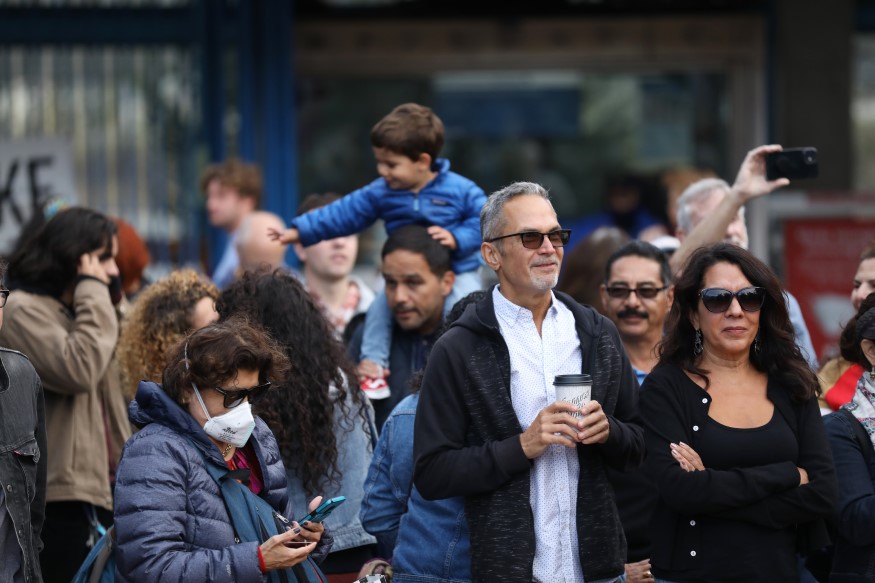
(848, 343)
(779, 356)
(212, 356)
(301, 412)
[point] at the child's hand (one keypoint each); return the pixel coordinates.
(371, 370)
(284, 237)
(442, 236)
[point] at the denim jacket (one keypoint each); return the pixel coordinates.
(428, 540)
(354, 450)
(854, 554)
(22, 459)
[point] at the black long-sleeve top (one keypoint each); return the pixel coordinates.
(698, 513)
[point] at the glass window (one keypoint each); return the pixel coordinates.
(132, 118)
(570, 131)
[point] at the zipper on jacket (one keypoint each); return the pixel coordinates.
(416, 201)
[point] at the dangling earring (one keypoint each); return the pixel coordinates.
(756, 344)
(698, 347)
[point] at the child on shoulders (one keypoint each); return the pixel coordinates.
(415, 187)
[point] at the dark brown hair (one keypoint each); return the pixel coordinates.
(301, 411)
(410, 129)
(779, 356)
(216, 352)
(848, 343)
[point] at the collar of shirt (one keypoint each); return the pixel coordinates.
(509, 313)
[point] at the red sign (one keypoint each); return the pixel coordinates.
(820, 261)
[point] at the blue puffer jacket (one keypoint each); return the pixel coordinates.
(450, 201)
(170, 519)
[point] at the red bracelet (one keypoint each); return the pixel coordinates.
(261, 566)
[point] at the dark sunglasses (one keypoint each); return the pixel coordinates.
(234, 398)
(621, 292)
(4, 294)
(717, 299)
(534, 239)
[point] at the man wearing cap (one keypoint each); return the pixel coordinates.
(489, 427)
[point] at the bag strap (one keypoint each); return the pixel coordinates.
(103, 556)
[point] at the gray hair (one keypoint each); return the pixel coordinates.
(491, 215)
(695, 194)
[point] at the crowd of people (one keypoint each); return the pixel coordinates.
(209, 421)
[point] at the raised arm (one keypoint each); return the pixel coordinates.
(750, 183)
(346, 216)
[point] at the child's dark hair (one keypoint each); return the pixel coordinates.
(410, 129)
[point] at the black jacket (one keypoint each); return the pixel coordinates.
(407, 356)
(467, 443)
(692, 507)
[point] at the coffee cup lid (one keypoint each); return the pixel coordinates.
(572, 379)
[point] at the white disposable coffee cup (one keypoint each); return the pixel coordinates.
(573, 388)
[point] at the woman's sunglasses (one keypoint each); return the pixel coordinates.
(234, 398)
(717, 299)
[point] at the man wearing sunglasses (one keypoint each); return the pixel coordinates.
(489, 428)
(710, 210)
(637, 296)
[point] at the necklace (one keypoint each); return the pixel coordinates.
(227, 450)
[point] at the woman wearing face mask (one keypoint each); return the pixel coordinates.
(172, 523)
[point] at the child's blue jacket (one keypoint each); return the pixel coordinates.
(450, 201)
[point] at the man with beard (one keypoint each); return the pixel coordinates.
(489, 427)
(637, 296)
(418, 273)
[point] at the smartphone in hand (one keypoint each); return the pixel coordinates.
(324, 509)
(792, 163)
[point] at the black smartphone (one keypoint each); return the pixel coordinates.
(324, 509)
(792, 163)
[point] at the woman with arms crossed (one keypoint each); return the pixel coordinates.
(734, 436)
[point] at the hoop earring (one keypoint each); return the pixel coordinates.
(698, 347)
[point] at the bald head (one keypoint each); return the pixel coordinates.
(254, 246)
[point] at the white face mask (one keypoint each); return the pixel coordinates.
(233, 427)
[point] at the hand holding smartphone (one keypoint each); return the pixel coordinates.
(323, 510)
(793, 163)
